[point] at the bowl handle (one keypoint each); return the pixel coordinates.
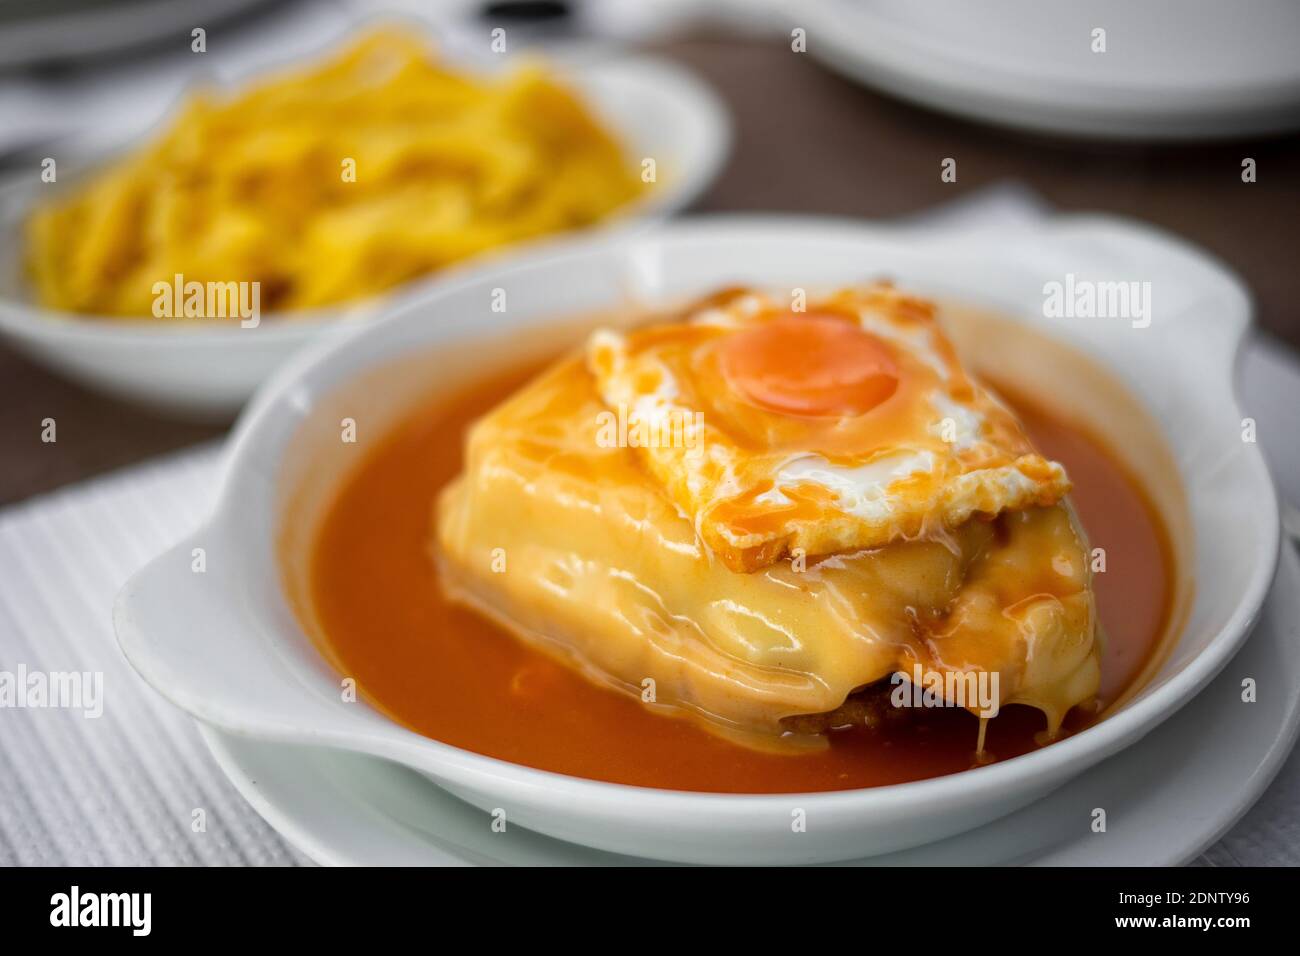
(185, 629)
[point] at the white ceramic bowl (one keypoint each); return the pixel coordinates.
(656, 108)
(226, 645)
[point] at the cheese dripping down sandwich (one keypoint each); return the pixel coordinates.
(760, 517)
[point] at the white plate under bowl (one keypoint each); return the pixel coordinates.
(1167, 798)
(226, 646)
(657, 109)
(1173, 69)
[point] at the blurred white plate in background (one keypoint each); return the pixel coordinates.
(39, 31)
(1172, 69)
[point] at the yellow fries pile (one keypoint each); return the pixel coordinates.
(331, 184)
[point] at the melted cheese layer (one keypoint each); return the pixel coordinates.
(579, 550)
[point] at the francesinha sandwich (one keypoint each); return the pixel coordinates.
(762, 517)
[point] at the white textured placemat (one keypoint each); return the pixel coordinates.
(122, 788)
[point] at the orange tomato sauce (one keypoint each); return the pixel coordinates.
(447, 673)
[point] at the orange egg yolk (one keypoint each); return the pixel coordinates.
(816, 365)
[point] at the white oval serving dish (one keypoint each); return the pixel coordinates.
(1171, 70)
(226, 644)
(655, 108)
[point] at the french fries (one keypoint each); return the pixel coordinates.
(331, 184)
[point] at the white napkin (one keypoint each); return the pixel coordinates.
(123, 788)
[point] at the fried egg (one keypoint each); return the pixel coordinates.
(843, 426)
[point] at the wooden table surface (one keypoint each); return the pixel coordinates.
(806, 141)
